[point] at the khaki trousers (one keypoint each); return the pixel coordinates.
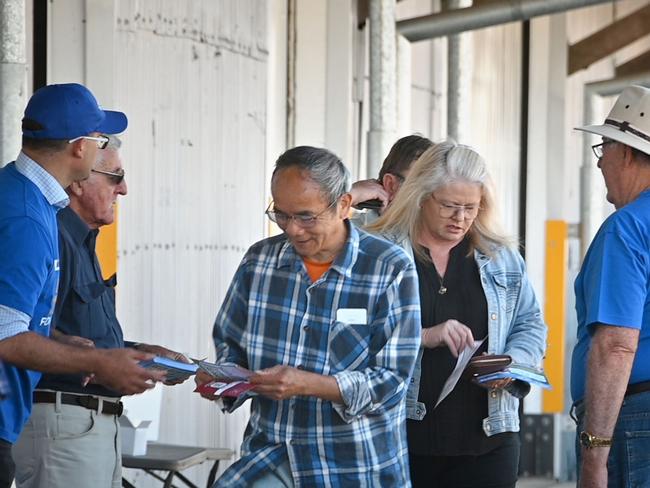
(67, 446)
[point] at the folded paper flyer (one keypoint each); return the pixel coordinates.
(231, 380)
(174, 370)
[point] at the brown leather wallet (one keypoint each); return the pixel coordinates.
(480, 365)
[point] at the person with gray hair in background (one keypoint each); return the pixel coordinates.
(327, 316)
(473, 287)
(72, 437)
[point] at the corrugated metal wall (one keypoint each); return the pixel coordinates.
(495, 113)
(192, 77)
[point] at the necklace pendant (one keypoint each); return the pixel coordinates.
(442, 290)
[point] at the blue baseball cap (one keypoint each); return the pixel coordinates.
(67, 111)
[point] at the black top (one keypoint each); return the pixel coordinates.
(85, 304)
(455, 427)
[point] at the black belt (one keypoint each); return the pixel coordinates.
(635, 388)
(86, 401)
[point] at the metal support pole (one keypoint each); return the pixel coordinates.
(292, 34)
(459, 79)
(383, 84)
(12, 77)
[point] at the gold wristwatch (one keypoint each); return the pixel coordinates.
(588, 440)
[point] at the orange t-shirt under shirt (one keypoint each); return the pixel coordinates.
(316, 270)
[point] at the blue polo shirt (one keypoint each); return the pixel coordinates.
(29, 271)
(613, 288)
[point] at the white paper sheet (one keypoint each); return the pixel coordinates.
(463, 358)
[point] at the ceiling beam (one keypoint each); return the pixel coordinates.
(608, 40)
(635, 65)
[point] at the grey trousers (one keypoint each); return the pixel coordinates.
(68, 446)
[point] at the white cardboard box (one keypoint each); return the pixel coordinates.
(146, 406)
(134, 436)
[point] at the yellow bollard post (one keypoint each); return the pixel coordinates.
(557, 256)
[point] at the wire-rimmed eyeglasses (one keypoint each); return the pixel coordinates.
(448, 210)
(305, 220)
(599, 149)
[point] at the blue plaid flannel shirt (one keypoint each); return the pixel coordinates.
(273, 314)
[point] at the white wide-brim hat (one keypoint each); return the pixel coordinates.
(629, 120)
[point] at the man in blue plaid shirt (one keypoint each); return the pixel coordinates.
(328, 317)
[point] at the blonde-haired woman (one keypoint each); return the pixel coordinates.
(473, 284)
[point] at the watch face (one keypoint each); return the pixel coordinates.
(585, 439)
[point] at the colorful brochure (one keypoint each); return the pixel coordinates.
(174, 370)
(219, 388)
(231, 380)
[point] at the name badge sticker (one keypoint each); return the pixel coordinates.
(352, 315)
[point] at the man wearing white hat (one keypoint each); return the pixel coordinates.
(610, 377)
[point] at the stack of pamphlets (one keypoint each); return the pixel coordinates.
(528, 374)
(174, 370)
(231, 380)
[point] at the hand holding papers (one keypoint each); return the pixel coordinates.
(224, 371)
(484, 370)
(463, 358)
(175, 371)
(231, 380)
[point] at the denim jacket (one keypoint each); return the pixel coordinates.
(515, 327)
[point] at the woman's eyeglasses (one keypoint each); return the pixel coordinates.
(448, 210)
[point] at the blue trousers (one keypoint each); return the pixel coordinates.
(628, 465)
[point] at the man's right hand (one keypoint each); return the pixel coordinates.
(364, 190)
(452, 333)
(118, 369)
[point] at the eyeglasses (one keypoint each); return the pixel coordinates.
(447, 210)
(116, 178)
(302, 220)
(102, 141)
(599, 149)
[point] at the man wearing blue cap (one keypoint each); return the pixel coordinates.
(62, 133)
(85, 449)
